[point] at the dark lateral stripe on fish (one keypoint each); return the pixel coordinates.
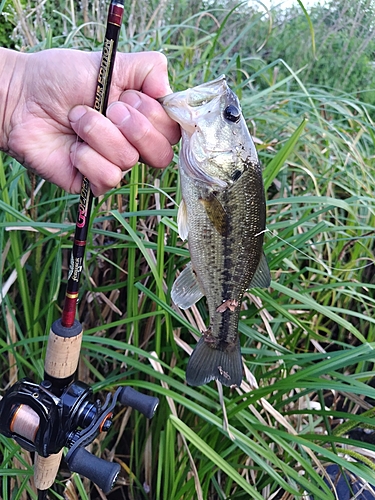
(210, 361)
(228, 325)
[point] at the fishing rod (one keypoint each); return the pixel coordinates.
(61, 411)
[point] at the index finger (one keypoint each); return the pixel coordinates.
(154, 112)
(144, 71)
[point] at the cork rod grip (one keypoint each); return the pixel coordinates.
(63, 349)
(45, 470)
(61, 362)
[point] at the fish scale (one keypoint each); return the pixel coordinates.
(227, 262)
(223, 214)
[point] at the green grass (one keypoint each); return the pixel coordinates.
(308, 341)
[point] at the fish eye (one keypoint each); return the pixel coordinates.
(232, 113)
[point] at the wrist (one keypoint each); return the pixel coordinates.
(11, 77)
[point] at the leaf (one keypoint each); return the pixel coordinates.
(276, 164)
(215, 458)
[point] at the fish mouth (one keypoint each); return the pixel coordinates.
(187, 106)
(199, 95)
(206, 92)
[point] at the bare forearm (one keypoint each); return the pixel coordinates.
(12, 65)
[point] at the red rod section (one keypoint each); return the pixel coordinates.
(116, 11)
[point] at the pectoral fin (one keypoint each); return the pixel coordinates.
(182, 221)
(262, 276)
(186, 290)
(216, 213)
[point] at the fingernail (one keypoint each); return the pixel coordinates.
(117, 112)
(76, 113)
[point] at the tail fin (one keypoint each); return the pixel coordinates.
(210, 361)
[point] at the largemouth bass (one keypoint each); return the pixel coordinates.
(223, 216)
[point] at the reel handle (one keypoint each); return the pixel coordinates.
(101, 472)
(145, 404)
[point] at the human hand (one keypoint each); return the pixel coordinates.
(48, 103)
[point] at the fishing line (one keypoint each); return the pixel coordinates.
(310, 257)
(160, 190)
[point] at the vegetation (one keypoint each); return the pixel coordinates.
(308, 342)
(344, 48)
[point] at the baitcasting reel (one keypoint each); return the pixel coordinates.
(39, 421)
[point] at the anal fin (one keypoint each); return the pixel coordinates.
(186, 290)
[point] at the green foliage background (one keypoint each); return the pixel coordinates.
(308, 341)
